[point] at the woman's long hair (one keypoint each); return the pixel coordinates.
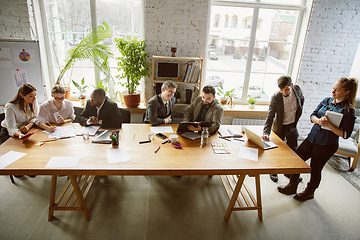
(25, 89)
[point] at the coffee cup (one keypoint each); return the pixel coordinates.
(173, 138)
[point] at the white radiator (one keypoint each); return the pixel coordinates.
(260, 122)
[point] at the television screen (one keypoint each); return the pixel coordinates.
(168, 70)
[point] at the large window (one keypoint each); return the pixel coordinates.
(251, 59)
(68, 22)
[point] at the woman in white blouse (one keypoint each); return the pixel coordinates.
(55, 110)
(20, 113)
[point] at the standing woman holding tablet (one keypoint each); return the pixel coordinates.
(20, 113)
(321, 144)
(55, 110)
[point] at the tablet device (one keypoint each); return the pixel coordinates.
(183, 126)
(28, 134)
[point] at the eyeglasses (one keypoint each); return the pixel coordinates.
(59, 98)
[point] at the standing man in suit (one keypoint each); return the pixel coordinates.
(285, 109)
(160, 106)
(100, 110)
(205, 108)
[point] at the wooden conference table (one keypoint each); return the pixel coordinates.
(191, 160)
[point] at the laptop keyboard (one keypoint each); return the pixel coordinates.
(266, 145)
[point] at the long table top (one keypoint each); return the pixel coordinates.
(191, 160)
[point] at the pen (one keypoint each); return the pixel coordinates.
(134, 137)
(157, 149)
(50, 124)
(225, 139)
(147, 141)
(241, 140)
(166, 141)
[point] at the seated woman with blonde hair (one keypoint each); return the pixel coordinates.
(55, 110)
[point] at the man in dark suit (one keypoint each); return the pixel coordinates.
(285, 109)
(160, 106)
(100, 110)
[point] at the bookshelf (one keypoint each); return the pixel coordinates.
(184, 62)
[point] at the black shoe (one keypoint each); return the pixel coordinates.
(32, 176)
(289, 176)
(18, 176)
(274, 177)
(176, 177)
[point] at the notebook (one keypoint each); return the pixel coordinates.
(229, 132)
(253, 137)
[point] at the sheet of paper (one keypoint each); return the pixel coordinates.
(5, 58)
(167, 129)
(62, 162)
(117, 155)
(63, 132)
(248, 153)
(92, 130)
(24, 55)
(19, 77)
(10, 157)
(334, 117)
(191, 135)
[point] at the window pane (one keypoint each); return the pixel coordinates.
(287, 2)
(263, 86)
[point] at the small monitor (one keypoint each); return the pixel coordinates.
(168, 70)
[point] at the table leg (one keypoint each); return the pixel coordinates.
(258, 195)
(234, 197)
(80, 197)
(52, 196)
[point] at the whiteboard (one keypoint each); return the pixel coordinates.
(19, 63)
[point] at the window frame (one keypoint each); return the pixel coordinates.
(256, 6)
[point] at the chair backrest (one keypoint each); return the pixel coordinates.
(2, 117)
(355, 133)
(125, 115)
(77, 112)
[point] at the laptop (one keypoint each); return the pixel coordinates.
(102, 136)
(253, 137)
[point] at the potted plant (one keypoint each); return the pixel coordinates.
(90, 48)
(133, 66)
(252, 102)
(225, 95)
(81, 87)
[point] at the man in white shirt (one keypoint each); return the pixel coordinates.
(285, 109)
(101, 110)
(160, 106)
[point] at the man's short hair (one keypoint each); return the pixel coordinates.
(284, 81)
(209, 89)
(57, 89)
(100, 92)
(168, 84)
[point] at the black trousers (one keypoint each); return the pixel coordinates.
(290, 134)
(319, 156)
(4, 135)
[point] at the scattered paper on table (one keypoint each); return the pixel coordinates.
(92, 130)
(10, 157)
(63, 132)
(248, 153)
(117, 155)
(62, 162)
(191, 135)
(167, 129)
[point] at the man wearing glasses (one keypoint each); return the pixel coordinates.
(55, 110)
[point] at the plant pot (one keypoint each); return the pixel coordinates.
(223, 101)
(132, 100)
(82, 101)
(67, 92)
(251, 106)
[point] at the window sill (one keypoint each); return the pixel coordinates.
(238, 110)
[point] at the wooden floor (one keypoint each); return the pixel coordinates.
(161, 207)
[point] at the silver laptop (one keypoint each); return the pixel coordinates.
(253, 137)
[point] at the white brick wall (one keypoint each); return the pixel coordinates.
(14, 20)
(175, 23)
(332, 40)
